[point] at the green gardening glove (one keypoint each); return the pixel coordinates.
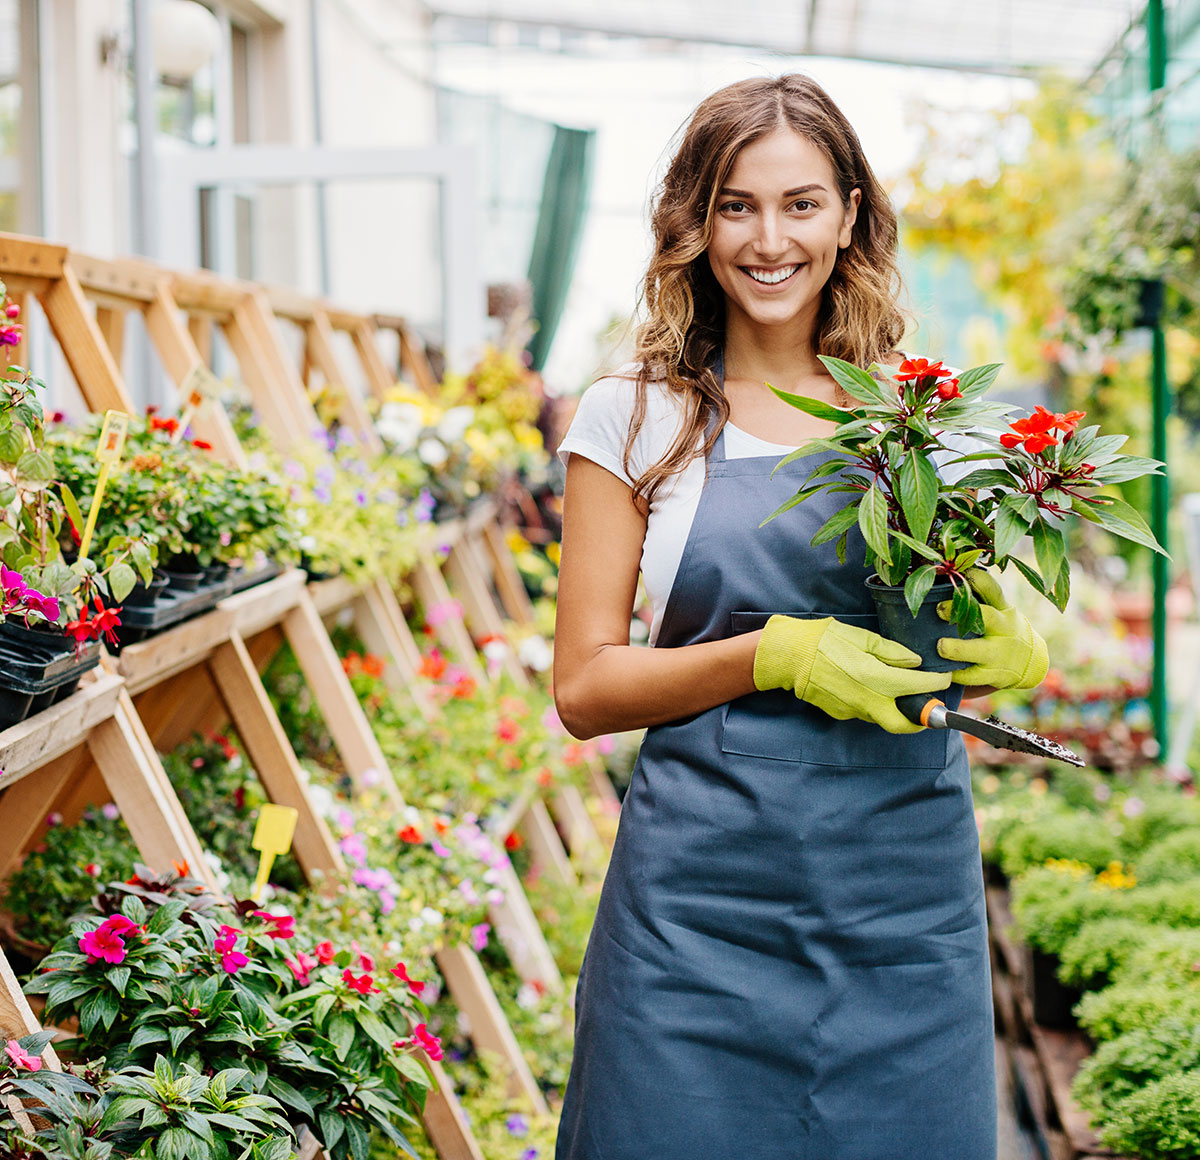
(1009, 655)
(845, 670)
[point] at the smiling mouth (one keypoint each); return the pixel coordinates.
(771, 277)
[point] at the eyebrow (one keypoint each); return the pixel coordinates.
(812, 188)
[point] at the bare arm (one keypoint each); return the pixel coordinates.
(602, 683)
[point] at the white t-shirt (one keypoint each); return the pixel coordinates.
(598, 432)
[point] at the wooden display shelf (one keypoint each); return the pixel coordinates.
(1043, 1060)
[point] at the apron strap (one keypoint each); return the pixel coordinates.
(717, 454)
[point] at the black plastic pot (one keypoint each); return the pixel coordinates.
(1053, 1003)
(142, 595)
(921, 632)
(183, 581)
(37, 669)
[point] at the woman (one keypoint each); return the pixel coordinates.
(790, 955)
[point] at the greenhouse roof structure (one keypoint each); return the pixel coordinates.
(1002, 36)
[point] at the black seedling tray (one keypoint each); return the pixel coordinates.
(36, 656)
(171, 607)
(243, 578)
(28, 686)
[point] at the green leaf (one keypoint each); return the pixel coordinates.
(119, 978)
(72, 506)
(974, 382)
(836, 525)
(35, 470)
(332, 1127)
(872, 519)
(12, 445)
(814, 407)
(360, 1142)
(917, 546)
(918, 487)
(341, 1034)
(376, 1029)
(289, 1096)
(1050, 550)
(986, 477)
(811, 447)
(1116, 516)
(917, 586)
(854, 381)
(121, 579)
(1011, 529)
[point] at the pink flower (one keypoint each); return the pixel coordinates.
(355, 848)
(364, 984)
(282, 925)
(479, 935)
(508, 729)
(401, 973)
(324, 952)
(225, 944)
(103, 944)
(121, 925)
(301, 967)
(21, 1058)
(430, 1044)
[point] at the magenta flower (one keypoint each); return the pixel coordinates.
(363, 984)
(302, 966)
(401, 973)
(21, 1058)
(430, 1044)
(479, 935)
(281, 925)
(103, 945)
(232, 960)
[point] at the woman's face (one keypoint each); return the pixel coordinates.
(778, 226)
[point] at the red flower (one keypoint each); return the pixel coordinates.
(181, 868)
(301, 967)
(366, 961)
(433, 665)
(430, 1044)
(372, 665)
(507, 729)
(170, 426)
(411, 835)
(401, 973)
(324, 952)
(514, 841)
(364, 984)
(1068, 422)
(282, 925)
(1036, 433)
(92, 870)
(920, 368)
(202, 444)
(545, 776)
(464, 688)
(949, 389)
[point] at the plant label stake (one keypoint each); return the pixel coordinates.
(272, 837)
(108, 454)
(200, 387)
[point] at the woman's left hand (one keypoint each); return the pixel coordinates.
(1009, 655)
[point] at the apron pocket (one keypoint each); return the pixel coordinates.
(776, 725)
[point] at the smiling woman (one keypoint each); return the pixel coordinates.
(789, 957)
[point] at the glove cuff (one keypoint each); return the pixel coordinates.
(786, 653)
(1038, 666)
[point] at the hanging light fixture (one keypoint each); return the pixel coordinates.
(185, 37)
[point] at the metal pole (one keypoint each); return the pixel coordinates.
(318, 130)
(145, 218)
(1156, 36)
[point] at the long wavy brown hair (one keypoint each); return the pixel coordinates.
(859, 319)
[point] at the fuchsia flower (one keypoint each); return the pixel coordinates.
(364, 984)
(401, 973)
(302, 966)
(21, 1058)
(324, 952)
(225, 944)
(430, 1044)
(282, 925)
(107, 942)
(479, 935)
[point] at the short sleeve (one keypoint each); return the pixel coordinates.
(601, 425)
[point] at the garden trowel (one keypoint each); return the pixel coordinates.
(923, 709)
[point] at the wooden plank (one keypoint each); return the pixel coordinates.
(112, 328)
(451, 631)
(38, 740)
(173, 651)
(186, 704)
(265, 604)
(181, 357)
(33, 257)
(24, 805)
(200, 330)
(125, 282)
(276, 410)
(444, 1120)
(271, 754)
(516, 927)
(319, 349)
(140, 787)
(469, 576)
(380, 380)
(373, 619)
(1059, 1055)
(506, 576)
(332, 595)
(331, 689)
(84, 348)
(277, 362)
(200, 291)
(16, 1016)
(602, 787)
(489, 1029)
(18, 355)
(572, 815)
(545, 846)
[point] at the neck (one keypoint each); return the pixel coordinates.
(777, 354)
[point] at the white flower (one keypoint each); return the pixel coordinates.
(412, 815)
(400, 424)
(527, 997)
(299, 516)
(432, 452)
(495, 650)
(455, 422)
(323, 801)
(432, 917)
(308, 543)
(535, 654)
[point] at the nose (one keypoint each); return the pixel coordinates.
(769, 242)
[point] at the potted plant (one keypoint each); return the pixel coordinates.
(923, 530)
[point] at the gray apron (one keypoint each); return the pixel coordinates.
(789, 960)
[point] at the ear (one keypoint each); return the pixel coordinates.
(851, 216)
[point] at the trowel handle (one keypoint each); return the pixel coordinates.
(922, 709)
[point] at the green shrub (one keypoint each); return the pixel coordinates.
(1136, 1003)
(1160, 1122)
(1165, 811)
(1128, 1063)
(1093, 955)
(1080, 837)
(1170, 955)
(1174, 858)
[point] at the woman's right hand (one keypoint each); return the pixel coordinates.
(845, 670)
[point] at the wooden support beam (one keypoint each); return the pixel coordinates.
(382, 635)
(143, 793)
(16, 1016)
(545, 846)
(18, 356)
(200, 329)
(444, 1120)
(433, 593)
(276, 410)
(25, 805)
(112, 328)
(581, 837)
(469, 580)
(516, 927)
(271, 754)
(344, 716)
(31, 257)
(320, 353)
(277, 362)
(505, 574)
(380, 380)
(83, 346)
(178, 709)
(490, 1032)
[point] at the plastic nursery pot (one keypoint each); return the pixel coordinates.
(183, 573)
(142, 595)
(1053, 1003)
(921, 632)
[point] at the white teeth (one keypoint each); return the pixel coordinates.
(771, 277)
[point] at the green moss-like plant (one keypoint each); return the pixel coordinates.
(1078, 836)
(1127, 1064)
(1092, 956)
(1160, 1122)
(1135, 1003)
(1173, 859)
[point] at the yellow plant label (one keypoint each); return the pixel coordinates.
(112, 438)
(274, 830)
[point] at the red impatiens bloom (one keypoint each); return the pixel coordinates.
(949, 389)
(324, 952)
(1041, 429)
(21, 1058)
(401, 973)
(507, 729)
(514, 841)
(281, 925)
(170, 426)
(202, 445)
(429, 1043)
(433, 666)
(364, 984)
(411, 835)
(921, 368)
(301, 967)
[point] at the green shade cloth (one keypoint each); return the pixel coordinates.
(565, 192)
